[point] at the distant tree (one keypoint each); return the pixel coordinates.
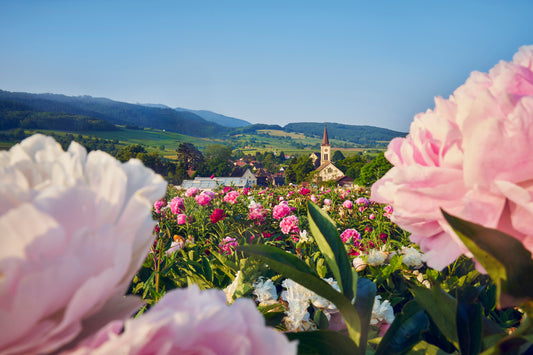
(130, 151)
(337, 156)
(217, 151)
(269, 161)
(374, 170)
(281, 157)
(299, 169)
(189, 155)
(351, 166)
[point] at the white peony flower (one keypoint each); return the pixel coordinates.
(298, 298)
(265, 291)
(76, 227)
(304, 236)
(322, 303)
(231, 288)
(376, 257)
(411, 257)
(381, 311)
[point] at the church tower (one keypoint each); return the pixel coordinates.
(325, 151)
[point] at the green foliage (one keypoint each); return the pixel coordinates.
(352, 165)
(337, 156)
(298, 169)
(374, 170)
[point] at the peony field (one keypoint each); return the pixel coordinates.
(103, 257)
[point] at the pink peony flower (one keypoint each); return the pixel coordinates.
(289, 225)
(350, 233)
(177, 205)
(227, 245)
(217, 215)
(304, 191)
(65, 273)
(190, 321)
(192, 191)
(182, 218)
(202, 199)
(471, 156)
(371, 216)
(362, 201)
(257, 212)
(281, 210)
(158, 205)
(231, 197)
(347, 204)
(327, 202)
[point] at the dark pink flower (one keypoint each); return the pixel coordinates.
(350, 234)
(217, 215)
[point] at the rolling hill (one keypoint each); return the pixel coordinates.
(118, 113)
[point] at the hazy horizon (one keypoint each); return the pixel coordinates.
(349, 62)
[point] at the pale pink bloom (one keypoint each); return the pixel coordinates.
(362, 201)
(202, 199)
(281, 210)
(181, 218)
(76, 227)
(192, 191)
(177, 205)
(231, 197)
(471, 156)
(257, 212)
(190, 321)
(211, 194)
(175, 246)
(371, 216)
(350, 234)
(289, 225)
(327, 202)
(347, 204)
(313, 198)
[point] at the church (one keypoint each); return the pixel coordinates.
(326, 171)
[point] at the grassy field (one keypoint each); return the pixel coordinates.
(266, 141)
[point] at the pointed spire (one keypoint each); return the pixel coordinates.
(325, 140)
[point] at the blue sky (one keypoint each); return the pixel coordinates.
(355, 62)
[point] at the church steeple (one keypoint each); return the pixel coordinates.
(325, 140)
(324, 149)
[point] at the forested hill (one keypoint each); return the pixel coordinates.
(116, 112)
(364, 135)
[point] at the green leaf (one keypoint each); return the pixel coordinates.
(405, 331)
(323, 342)
(366, 293)
(208, 272)
(440, 306)
(469, 320)
(506, 260)
(290, 266)
(330, 244)
(320, 319)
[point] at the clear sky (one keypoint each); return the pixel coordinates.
(356, 62)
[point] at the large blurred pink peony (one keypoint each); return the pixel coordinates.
(75, 229)
(190, 321)
(472, 156)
